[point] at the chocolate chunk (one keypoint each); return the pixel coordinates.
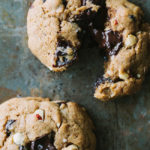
(8, 126)
(112, 41)
(102, 81)
(109, 40)
(45, 142)
(44, 1)
(26, 147)
(83, 2)
(63, 57)
(85, 17)
(97, 34)
(62, 42)
(101, 16)
(132, 17)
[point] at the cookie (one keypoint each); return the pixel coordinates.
(125, 40)
(39, 124)
(54, 28)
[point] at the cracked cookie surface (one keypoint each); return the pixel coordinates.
(126, 40)
(39, 124)
(53, 30)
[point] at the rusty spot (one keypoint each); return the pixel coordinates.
(17, 48)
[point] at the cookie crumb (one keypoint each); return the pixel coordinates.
(58, 125)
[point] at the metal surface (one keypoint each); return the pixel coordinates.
(123, 124)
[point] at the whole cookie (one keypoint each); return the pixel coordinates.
(126, 41)
(54, 28)
(39, 124)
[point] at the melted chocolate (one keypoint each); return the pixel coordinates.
(109, 40)
(97, 18)
(64, 44)
(98, 2)
(102, 81)
(8, 126)
(84, 18)
(45, 142)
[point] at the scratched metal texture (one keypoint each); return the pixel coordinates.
(123, 124)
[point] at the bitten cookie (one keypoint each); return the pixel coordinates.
(39, 124)
(126, 42)
(53, 30)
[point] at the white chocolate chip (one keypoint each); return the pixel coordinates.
(62, 106)
(123, 75)
(60, 9)
(18, 139)
(71, 147)
(54, 4)
(64, 140)
(138, 75)
(131, 40)
(58, 125)
(64, 110)
(40, 113)
(50, 68)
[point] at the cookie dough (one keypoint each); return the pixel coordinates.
(126, 41)
(54, 28)
(39, 124)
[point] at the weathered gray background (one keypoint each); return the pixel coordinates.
(123, 124)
